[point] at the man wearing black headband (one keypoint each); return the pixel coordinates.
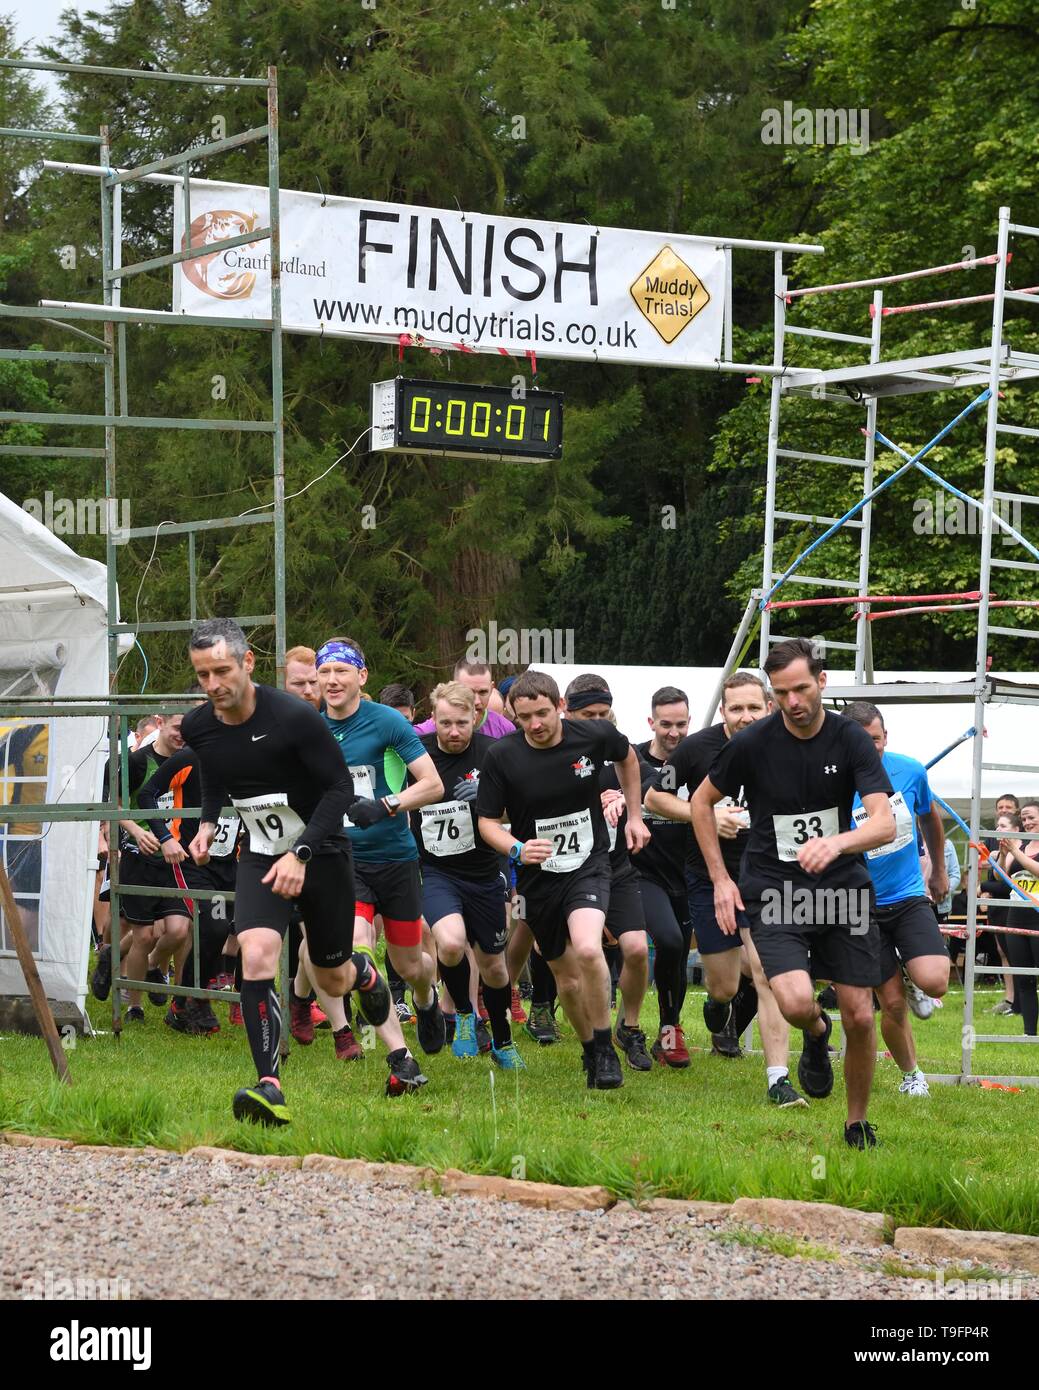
(544, 781)
(275, 758)
(588, 697)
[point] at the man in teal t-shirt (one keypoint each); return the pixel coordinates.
(381, 749)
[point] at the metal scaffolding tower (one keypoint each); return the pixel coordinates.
(986, 369)
(110, 352)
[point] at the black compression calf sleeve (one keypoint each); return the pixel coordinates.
(261, 1012)
(395, 980)
(744, 1005)
(542, 980)
(498, 999)
(458, 979)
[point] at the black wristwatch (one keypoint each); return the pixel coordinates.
(392, 804)
(303, 853)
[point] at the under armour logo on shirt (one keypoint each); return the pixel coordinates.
(830, 767)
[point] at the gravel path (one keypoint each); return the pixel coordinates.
(193, 1228)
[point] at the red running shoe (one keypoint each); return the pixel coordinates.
(301, 1025)
(481, 1012)
(519, 1013)
(348, 1049)
(670, 1049)
(317, 1017)
(235, 1018)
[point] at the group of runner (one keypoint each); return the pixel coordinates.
(782, 839)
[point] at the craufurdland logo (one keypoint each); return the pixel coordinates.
(211, 274)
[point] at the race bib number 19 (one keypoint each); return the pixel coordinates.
(794, 831)
(273, 826)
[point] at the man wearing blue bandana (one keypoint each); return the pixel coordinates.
(380, 748)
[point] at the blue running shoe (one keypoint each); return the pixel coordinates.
(464, 1043)
(508, 1058)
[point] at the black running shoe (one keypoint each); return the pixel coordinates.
(860, 1135)
(827, 998)
(815, 1070)
(606, 1074)
(156, 976)
(405, 1076)
(783, 1095)
(541, 1026)
(203, 1019)
(374, 1002)
(727, 1043)
(716, 1015)
(101, 980)
(432, 1030)
(484, 1041)
(632, 1042)
(263, 1103)
(135, 1014)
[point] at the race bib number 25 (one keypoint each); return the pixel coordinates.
(794, 831)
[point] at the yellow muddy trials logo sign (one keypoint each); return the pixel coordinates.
(670, 294)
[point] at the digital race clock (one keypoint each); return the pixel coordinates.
(464, 421)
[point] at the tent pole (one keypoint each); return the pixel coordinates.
(38, 995)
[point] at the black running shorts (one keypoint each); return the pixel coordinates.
(909, 928)
(548, 900)
(626, 912)
(136, 871)
(846, 955)
(326, 903)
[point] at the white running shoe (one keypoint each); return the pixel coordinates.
(914, 1084)
(921, 1004)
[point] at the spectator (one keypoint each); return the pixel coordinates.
(995, 888)
(1022, 863)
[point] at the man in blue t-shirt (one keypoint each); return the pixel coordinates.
(909, 935)
(381, 749)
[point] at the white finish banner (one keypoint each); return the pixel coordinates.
(386, 272)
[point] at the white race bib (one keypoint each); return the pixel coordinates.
(273, 826)
(364, 787)
(904, 834)
(447, 828)
(572, 839)
(794, 831)
(164, 802)
(611, 830)
(225, 837)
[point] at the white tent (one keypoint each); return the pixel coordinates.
(922, 731)
(53, 641)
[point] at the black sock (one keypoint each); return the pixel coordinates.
(348, 1011)
(297, 998)
(601, 1038)
(744, 1005)
(542, 980)
(261, 1011)
(497, 1000)
(227, 964)
(394, 980)
(458, 979)
(588, 1048)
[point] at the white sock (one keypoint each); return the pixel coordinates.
(776, 1074)
(915, 1072)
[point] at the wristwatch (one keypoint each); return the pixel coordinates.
(392, 804)
(515, 851)
(303, 853)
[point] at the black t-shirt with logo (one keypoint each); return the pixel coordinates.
(681, 774)
(282, 770)
(552, 793)
(799, 789)
(141, 765)
(663, 860)
(445, 831)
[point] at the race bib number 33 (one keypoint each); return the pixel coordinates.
(273, 826)
(794, 831)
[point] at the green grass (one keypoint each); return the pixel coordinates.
(963, 1158)
(778, 1243)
